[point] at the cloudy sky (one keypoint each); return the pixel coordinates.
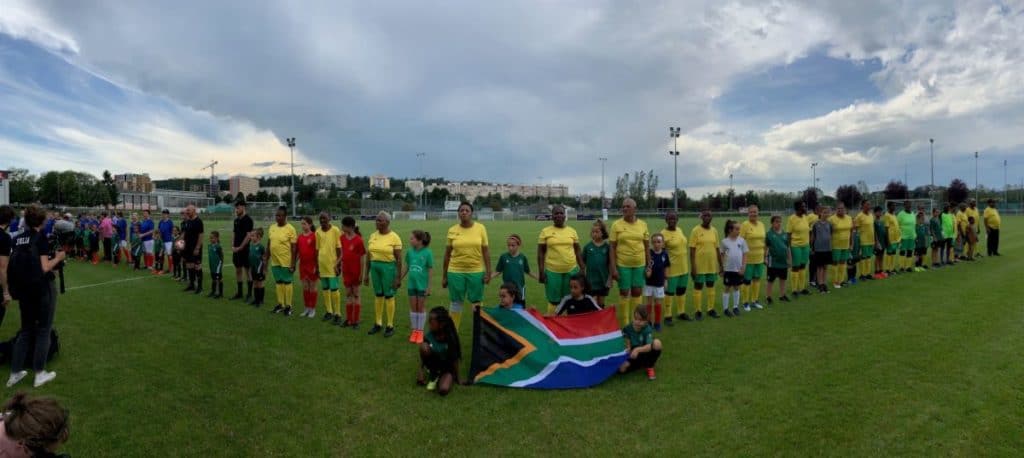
(518, 91)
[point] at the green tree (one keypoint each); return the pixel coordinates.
(23, 186)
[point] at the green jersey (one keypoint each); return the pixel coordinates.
(639, 338)
(437, 347)
(419, 262)
(595, 257)
(778, 249)
(881, 233)
(935, 225)
(216, 257)
(948, 226)
(514, 269)
(908, 223)
(922, 235)
(136, 244)
(87, 239)
(256, 251)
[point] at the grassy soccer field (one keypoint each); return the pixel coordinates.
(921, 364)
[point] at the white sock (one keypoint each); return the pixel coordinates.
(736, 298)
(417, 321)
(725, 301)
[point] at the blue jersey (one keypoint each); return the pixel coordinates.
(13, 228)
(659, 262)
(166, 230)
(146, 226)
(48, 228)
(122, 229)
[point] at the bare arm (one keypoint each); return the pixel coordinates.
(444, 267)
(612, 262)
(542, 253)
(579, 257)
(693, 262)
(486, 251)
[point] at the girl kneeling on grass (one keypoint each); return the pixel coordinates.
(643, 348)
(440, 353)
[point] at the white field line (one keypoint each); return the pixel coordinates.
(123, 280)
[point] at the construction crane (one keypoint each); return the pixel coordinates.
(213, 179)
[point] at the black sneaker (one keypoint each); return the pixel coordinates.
(327, 317)
(736, 310)
(257, 304)
(713, 314)
(354, 326)
(337, 320)
(805, 292)
(277, 308)
(287, 311)
(344, 323)
(212, 293)
(389, 331)
(684, 317)
(727, 313)
(699, 316)
(375, 329)
(784, 298)
(668, 321)
(768, 301)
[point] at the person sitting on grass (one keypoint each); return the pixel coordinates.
(778, 259)
(577, 301)
(509, 297)
(440, 353)
(642, 347)
(32, 427)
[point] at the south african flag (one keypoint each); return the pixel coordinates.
(524, 349)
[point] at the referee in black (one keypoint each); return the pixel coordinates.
(240, 250)
(192, 229)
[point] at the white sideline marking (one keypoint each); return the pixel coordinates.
(121, 281)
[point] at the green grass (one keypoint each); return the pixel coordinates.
(922, 364)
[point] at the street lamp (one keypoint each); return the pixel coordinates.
(931, 142)
(1006, 184)
(730, 192)
(674, 132)
(814, 174)
(423, 176)
(291, 147)
(975, 176)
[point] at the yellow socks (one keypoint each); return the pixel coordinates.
(328, 304)
(681, 303)
(698, 297)
(626, 309)
(378, 311)
(289, 294)
(336, 300)
(755, 290)
(390, 302)
(744, 294)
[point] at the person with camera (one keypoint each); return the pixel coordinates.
(6, 217)
(30, 274)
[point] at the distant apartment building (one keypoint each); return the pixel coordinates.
(414, 186)
(276, 190)
(133, 182)
(243, 184)
(380, 181)
(326, 181)
(474, 190)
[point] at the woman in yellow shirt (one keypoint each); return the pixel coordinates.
(992, 223)
(283, 254)
(558, 255)
(842, 244)
(630, 253)
(467, 262)
(704, 263)
(383, 264)
(678, 267)
(754, 233)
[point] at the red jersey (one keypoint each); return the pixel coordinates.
(307, 249)
(352, 252)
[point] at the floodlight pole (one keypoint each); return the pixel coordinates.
(975, 176)
(291, 147)
(674, 132)
(603, 160)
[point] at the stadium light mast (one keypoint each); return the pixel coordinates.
(673, 132)
(423, 177)
(814, 174)
(1006, 184)
(603, 160)
(931, 142)
(975, 176)
(291, 148)
(730, 192)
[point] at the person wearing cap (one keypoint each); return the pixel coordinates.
(992, 223)
(166, 229)
(240, 251)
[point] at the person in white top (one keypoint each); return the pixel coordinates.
(732, 257)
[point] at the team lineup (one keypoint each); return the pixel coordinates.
(651, 270)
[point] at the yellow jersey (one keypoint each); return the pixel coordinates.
(961, 222)
(382, 246)
(799, 230)
(561, 243)
(467, 248)
(678, 252)
(865, 223)
(892, 227)
(973, 212)
(327, 245)
(705, 258)
(282, 239)
(629, 239)
(812, 218)
(991, 217)
(842, 229)
(754, 234)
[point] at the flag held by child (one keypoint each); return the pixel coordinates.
(524, 349)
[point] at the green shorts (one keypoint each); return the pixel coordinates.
(840, 256)
(801, 255)
(282, 274)
(382, 277)
(464, 287)
(908, 244)
(753, 272)
(677, 285)
(329, 283)
(867, 251)
(704, 279)
(631, 277)
(892, 248)
(556, 285)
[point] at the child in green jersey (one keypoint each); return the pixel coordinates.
(216, 256)
(419, 264)
(440, 353)
(257, 266)
(596, 256)
(513, 265)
